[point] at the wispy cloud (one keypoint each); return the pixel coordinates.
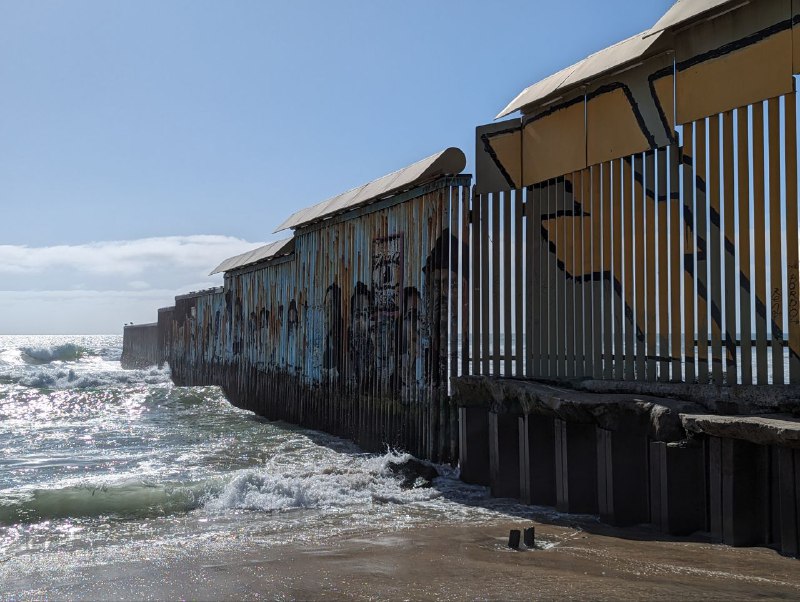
(98, 286)
(124, 257)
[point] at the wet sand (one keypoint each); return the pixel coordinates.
(451, 562)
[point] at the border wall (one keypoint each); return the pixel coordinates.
(348, 332)
(141, 346)
(606, 323)
(636, 346)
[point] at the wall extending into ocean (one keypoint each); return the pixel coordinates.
(601, 323)
(140, 346)
(347, 330)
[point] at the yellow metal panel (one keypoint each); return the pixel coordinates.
(665, 96)
(612, 128)
(507, 148)
(554, 144)
(795, 37)
(755, 72)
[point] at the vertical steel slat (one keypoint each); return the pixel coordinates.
(675, 270)
(651, 206)
(465, 274)
(496, 287)
(702, 247)
(568, 282)
(549, 265)
(485, 252)
(689, 291)
(508, 283)
(454, 297)
(578, 190)
(639, 217)
(532, 279)
(662, 197)
(729, 246)
(598, 273)
(519, 284)
(608, 285)
(586, 272)
(540, 284)
(618, 278)
(454, 285)
(743, 243)
(775, 248)
(567, 300)
(475, 269)
(759, 244)
(792, 267)
(558, 324)
(628, 285)
(715, 250)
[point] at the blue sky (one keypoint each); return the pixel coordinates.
(141, 142)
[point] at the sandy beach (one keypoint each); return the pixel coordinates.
(447, 563)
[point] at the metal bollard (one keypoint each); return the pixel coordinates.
(530, 537)
(513, 539)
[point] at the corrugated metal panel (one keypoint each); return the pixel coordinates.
(450, 161)
(685, 10)
(608, 59)
(268, 251)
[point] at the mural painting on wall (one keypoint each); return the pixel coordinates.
(441, 277)
(292, 320)
(332, 347)
(387, 288)
(618, 118)
(277, 352)
(413, 344)
(360, 343)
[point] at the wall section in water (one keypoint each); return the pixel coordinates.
(349, 334)
(140, 346)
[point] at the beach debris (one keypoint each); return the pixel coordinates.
(513, 539)
(529, 537)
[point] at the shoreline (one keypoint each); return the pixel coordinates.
(456, 561)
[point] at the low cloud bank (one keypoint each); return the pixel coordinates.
(97, 287)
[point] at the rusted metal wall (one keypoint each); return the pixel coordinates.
(356, 333)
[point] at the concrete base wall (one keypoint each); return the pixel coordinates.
(631, 463)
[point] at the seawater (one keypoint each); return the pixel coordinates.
(98, 463)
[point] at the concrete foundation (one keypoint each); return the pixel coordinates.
(677, 488)
(789, 500)
(473, 438)
(537, 460)
(504, 455)
(738, 492)
(622, 476)
(576, 467)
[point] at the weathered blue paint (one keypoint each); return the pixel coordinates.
(348, 334)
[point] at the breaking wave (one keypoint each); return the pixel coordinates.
(68, 352)
(367, 481)
(364, 482)
(88, 379)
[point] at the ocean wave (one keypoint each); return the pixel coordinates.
(363, 482)
(125, 500)
(67, 352)
(86, 377)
